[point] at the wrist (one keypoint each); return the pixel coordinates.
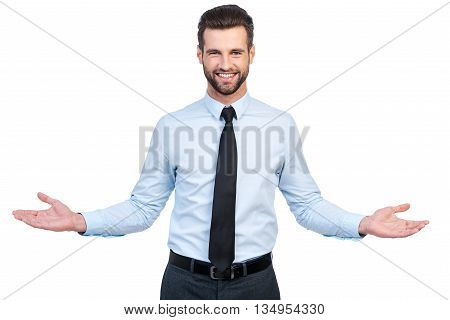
(79, 223)
(364, 225)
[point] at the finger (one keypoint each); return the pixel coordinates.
(45, 198)
(410, 232)
(406, 232)
(414, 224)
(31, 221)
(401, 208)
(423, 224)
(24, 212)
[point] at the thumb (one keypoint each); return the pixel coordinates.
(45, 198)
(401, 208)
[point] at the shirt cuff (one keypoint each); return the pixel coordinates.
(94, 223)
(351, 226)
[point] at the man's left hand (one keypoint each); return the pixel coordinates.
(384, 224)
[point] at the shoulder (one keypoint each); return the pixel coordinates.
(183, 116)
(271, 113)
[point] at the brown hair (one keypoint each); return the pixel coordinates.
(224, 17)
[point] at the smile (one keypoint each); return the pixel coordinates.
(226, 76)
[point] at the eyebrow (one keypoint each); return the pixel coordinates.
(217, 50)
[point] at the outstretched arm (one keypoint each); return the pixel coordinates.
(314, 212)
(148, 198)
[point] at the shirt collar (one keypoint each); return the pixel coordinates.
(215, 107)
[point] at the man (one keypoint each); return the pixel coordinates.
(224, 155)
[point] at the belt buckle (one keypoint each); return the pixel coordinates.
(213, 270)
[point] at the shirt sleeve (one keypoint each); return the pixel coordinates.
(147, 199)
(304, 198)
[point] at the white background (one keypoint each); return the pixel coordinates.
(379, 136)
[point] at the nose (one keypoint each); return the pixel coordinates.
(225, 62)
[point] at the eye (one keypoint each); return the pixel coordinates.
(237, 52)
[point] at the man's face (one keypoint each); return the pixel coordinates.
(226, 58)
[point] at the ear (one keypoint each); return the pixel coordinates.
(252, 53)
(199, 55)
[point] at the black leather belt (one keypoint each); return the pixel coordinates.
(240, 269)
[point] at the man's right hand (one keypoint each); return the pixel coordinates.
(56, 218)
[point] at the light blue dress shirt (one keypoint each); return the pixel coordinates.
(183, 154)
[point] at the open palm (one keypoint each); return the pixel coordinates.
(56, 218)
(383, 223)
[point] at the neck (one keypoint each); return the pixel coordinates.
(227, 99)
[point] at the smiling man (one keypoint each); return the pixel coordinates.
(224, 155)
(226, 59)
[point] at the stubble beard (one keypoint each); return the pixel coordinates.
(226, 89)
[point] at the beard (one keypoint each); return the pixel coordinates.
(226, 88)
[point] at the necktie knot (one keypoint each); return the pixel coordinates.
(228, 113)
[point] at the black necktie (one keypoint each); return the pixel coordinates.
(221, 240)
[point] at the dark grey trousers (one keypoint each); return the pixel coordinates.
(181, 284)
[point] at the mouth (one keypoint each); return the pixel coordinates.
(226, 76)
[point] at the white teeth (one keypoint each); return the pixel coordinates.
(226, 75)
